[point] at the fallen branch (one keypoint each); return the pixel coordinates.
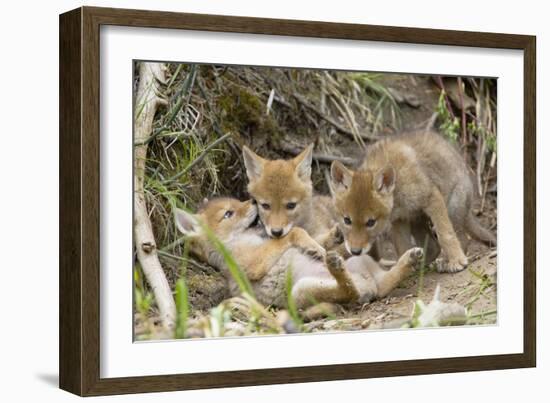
(326, 158)
(328, 119)
(150, 74)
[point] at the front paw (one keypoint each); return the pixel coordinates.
(300, 238)
(451, 266)
(337, 235)
(316, 252)
(334, 263)
(333, 238)
(414, 257)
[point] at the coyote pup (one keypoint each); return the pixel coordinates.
(284, 194)
(266, 260)
(403, 181)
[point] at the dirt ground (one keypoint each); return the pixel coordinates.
(474, 288)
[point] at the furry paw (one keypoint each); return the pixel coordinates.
(450, 267)
(316, 252)
(337, 235)
(334, 238)
(414, 257)
(334, 262)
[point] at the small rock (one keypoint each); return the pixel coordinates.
(412, 101)
(285, 321)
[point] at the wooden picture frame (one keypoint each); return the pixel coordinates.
(80, 199)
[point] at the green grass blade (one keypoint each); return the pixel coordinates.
(291, 303)
(182, 297)
(183, 95)
(234, 269)
(182, 306)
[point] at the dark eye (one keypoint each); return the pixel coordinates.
(290, 206)
(228, 214)
(265, 206)
(371, 222)
(347, 220)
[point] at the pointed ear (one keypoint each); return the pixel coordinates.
(340, 176)
(187, 223)
(303, 163)
(384, 180)
(253, 163)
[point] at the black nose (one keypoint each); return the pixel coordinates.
(277, 232)
(356, 251)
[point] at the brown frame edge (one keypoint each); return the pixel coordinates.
(79, 200)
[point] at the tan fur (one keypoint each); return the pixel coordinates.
(403, 182)
(266, 260)
(276, 183)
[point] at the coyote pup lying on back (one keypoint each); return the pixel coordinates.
(403, 181)
(266, 260)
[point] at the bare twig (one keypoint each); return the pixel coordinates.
(150, 74)
(328, 181)
(327, 159)
(462, 110)
(331, 121)
(270, 101)
(288, 148)
(172, 245)
(282, 101)
(486, 184)
(480, 122)
(440, 84)
(431, 122)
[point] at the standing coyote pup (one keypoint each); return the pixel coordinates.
(284, 194)
(266, 260)
(403, 181)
